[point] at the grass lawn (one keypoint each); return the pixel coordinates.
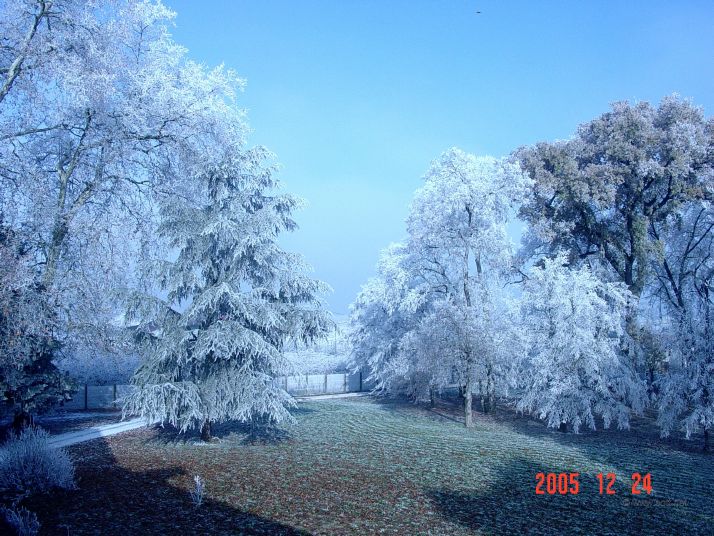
(358, 466)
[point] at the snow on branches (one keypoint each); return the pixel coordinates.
(434, 314)
(242, 297)
(576, 369)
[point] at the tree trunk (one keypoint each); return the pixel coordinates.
(65, 216)
(563, 427)
(206, 431)
(59, 233)
(467, 404)
(22, 420)
(481, 396)
(432, 397)
(487, 400)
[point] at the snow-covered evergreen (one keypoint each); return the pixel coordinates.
(243, 298)
(29, 379)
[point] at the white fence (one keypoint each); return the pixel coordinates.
(111, 396)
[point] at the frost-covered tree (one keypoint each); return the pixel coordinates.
(444, 284)
(605, 193)
(462, 251)
(444, 339)
(29, 379)
(101, 116)
(243, 297)
(576, 370)
(684, 297)
(613, 194)
(387, 308)
(686, 394)
(684, 243)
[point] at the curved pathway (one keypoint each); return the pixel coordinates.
(79, 436)
(105, 430)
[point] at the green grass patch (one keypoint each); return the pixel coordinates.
(359, 466)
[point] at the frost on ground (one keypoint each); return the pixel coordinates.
(362, 466)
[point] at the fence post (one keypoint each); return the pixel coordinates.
(360, 380)
(344, 383)
(85, 397)
(324, 390)
(114, 401)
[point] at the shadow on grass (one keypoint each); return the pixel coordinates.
(233, 432)
(445, 409)
(144, 499)
(510, 506)
(300, 410)
(392, 403)
(642, 434)
(642, 438)
(259, 434)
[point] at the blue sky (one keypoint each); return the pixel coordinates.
(357, 97)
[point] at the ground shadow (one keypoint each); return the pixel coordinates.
(301, 410)
(643, 432)
(445, 408)
(509, 505)
(111, 499)
(232, 432)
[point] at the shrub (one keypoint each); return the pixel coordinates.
(29, 465)
(23, 521)
(197, 491)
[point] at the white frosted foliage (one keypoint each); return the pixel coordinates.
(241, 299)
(576, 368)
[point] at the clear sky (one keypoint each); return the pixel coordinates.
(356, 97)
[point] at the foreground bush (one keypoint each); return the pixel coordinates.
(23, 521)
(28, 465)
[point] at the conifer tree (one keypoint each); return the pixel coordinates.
(234, 298)
(30, 381)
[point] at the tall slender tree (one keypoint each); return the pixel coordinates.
(458, 237)
(445, 278)
(685, 292)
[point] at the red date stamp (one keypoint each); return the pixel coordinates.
(569, 483)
